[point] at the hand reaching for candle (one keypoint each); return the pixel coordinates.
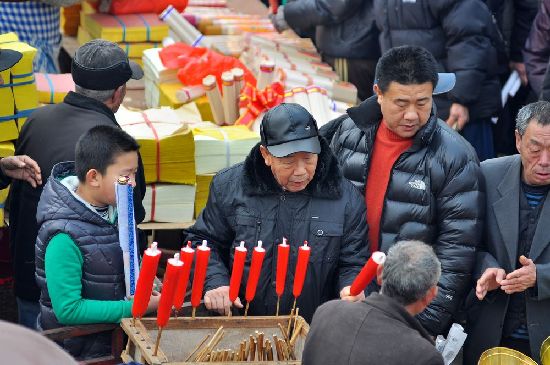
(345, 295)
(217, 300)
(490, 280)
(153, 302)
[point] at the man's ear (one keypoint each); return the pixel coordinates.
(265, 155)
(378, 93)
(93, 178)
(379, 271)
(430, 295)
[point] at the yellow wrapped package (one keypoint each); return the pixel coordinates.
(8, 125)
(219, 147)
(125, 28)
(24, 96)
(52, 88)
(203, 188)
(133, 50)
(168, 98)
(167, 146)
(169, 203)
(6, 149)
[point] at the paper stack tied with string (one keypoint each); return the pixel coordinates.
(127, 232)
(219, 147)
(169, 203)
(203, 188)
(125, 28)
(166, 142)
(52, 88)
(155, 74)
(18, 94)
(6, 149)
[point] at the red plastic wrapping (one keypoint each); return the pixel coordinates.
(119, 7)
(201, 264)
(255, 270)
(301, 269)
(195, 63)
(283, 251)
(186, 256)
(237, 272)
(145, 281)
(368, 272)
(173, 269)
(258, 101)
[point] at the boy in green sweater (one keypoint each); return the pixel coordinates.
(79, 265)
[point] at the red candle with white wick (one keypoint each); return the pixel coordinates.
(237, 272)
(254, 274)
(201, 264)
(368, 272)
(283, 251)
(186, 256)
(301, 269)
(144, 286)
(173, 269)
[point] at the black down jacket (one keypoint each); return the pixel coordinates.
(434, 195)
(247, 204)
(462, 37)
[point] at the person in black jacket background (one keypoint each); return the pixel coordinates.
(290, 186)
(462, 37)
(431, 192)
(346, 36)
(100, 71)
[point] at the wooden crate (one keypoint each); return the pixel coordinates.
(182, 336)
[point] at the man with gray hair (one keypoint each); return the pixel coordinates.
(382, 329)
(513, 264)
(100, 71)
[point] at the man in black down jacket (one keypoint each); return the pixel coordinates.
(100, 71)
(289, 186)
(346, 36)
(428, 190)
(462, 36)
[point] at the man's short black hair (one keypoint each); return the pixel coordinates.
(99, 147)
(406, 65)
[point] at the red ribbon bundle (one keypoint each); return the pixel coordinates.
(257, 102)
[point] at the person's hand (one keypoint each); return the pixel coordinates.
(22, 168)
(217, 300)
(458, 116)
(278, 20)
(520, 279)
(520, 68)
(345, 295)
(490, 280)
(153, 302)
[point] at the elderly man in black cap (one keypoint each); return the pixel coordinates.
(290, 186)
(16, 167)
(100, 70)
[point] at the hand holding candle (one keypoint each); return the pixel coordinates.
(368, 272)
(283, 251)
(237, 272)
(145, 280)
(254, 274)
(186, 256)
(201, 264)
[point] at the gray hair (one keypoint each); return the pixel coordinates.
(99, 95)
(410, 270)
(538, 111)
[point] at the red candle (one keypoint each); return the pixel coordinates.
(368, 272)
(201, 264)
(237, 272)
(146, 277)
(173, 269)
(255, 269)
(301, 269)
(186, 256)
(283, 251)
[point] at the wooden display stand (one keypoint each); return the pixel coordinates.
(183, 336)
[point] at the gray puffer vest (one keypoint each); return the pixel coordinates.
(97, 239)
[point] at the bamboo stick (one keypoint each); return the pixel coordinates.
(269, 350)
(157, 342)
(197, 347)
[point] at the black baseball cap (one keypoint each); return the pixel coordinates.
(103, 65)
(8, 58)
(289, 128)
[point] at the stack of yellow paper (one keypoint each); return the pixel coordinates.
(169, 203)
(167, 97)
(6, 149)
(203, 188)
(219, 147)
(52, 88)
(125, 28)
(167, 146)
